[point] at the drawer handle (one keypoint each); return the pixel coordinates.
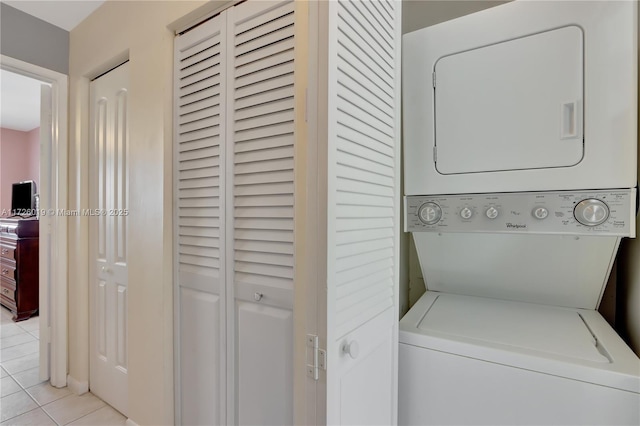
(5, 251)
(5, 291)
(5, 271)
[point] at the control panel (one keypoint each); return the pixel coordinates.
(603, 212)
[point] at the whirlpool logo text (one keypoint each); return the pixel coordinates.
(516, 225)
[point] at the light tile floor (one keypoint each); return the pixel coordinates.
(25, 400)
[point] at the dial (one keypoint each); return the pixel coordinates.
(466, 213)
(540, 212)
(492, 212)
(429, 213)
(591, 212)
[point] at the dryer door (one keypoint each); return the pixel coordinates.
(512, 105)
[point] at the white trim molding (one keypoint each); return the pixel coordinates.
(76, 386)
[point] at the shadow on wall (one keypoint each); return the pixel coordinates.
(628, 297)
(418, 14)
(19, 161)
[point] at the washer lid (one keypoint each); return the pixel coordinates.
(536, 328)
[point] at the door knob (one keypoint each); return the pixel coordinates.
(107, 270)
(351, 348)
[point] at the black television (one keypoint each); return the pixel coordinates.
(23, 198)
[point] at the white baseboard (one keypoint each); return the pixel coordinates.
(77, 386)
(130, 422)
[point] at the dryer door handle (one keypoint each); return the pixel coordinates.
(571, 120)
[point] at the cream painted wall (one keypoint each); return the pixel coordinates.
(417, 14)
(629, 276)
(136, 30)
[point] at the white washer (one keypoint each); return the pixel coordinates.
(509, 332)
(520, 173)
(481, 361)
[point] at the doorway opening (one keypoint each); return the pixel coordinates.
(47, 166)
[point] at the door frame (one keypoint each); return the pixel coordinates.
(53, 290)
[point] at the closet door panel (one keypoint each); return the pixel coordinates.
(363, 205)
(199, 221)
(199, 369)
(261, 202)
(265, 356)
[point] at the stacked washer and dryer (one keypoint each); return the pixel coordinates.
(520, 127)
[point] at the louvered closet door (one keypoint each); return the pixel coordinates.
(363, 211)
(260, 200)
(200, 234)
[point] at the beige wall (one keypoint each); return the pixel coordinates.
(136, 30)
(418, 14)
(629, 277)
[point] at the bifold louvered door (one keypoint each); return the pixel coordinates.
(260, 102)
(239, 114)
(234, 240)
(200, 240)
(363, 175)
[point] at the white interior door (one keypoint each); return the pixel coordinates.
(363, 222)
(260, 201)
(108, 236)
(234, 216)
(200, 82)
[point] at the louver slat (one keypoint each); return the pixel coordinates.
(365, 160)
(263, 18)
(201, 105)
(199, 86)
(263, 135)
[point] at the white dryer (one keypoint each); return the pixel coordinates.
(526, 96)
(520, 178)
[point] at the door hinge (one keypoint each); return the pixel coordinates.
(435, 154)
(316, 357)
(433, 79)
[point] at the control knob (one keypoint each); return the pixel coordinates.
(429, 213)
(591, 212)
(540, 212)
(466, 213)
(492, 212)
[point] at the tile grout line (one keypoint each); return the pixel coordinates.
(82, 417)
(24, 389)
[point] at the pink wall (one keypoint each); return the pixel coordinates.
(19, 160)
